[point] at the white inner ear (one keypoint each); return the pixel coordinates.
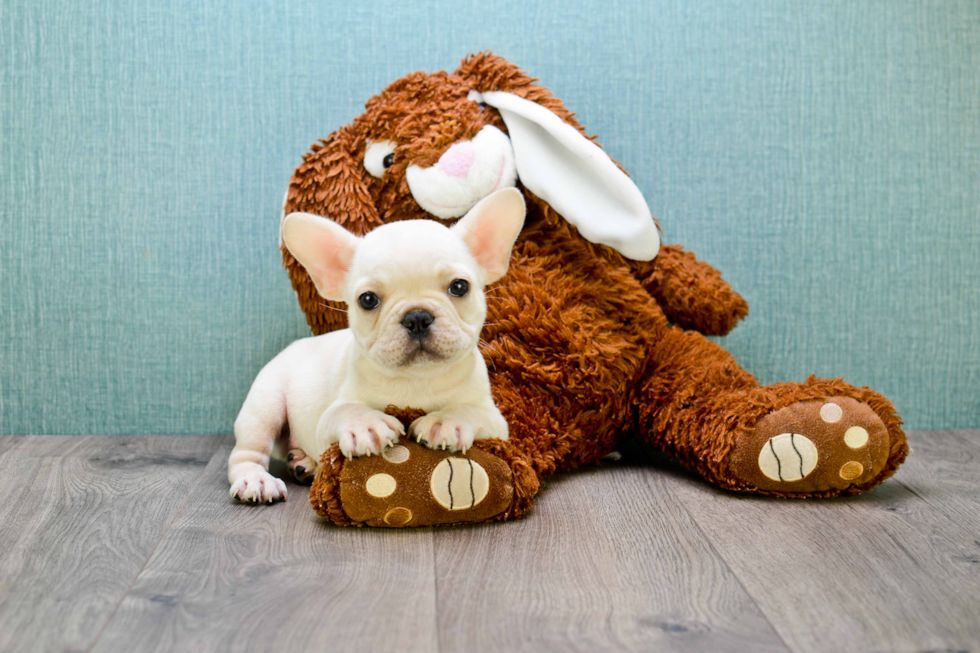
(323, 247)
(490, 229)
(579, 180)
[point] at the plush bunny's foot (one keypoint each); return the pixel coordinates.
(412, 485)
(815, 447)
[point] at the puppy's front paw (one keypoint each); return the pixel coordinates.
(358, 429)
(258, 487)
(368, 434)
(445, 430)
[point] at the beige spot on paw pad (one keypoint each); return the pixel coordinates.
(851, 470)
(398, 516)
(856, 437)
(788, 457)
(381, 485)
(396, 454)
(831, 413)
(459, 483)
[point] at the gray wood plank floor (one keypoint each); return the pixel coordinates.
(132, 544)
(80, 517)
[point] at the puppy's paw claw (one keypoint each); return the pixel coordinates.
(258, 487)
(442, 430)
(369, 434)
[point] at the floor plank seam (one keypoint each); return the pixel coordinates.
(435, 593)
(724, 561)
(163, 535)
(652, 462)
(960, 435)
(910, 489)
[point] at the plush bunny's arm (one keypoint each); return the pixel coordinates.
(691, 292)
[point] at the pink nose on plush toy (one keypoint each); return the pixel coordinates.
(458, 159)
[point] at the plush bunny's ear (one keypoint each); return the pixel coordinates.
(579, 180)
(323, 247)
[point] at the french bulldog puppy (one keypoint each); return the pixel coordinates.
(414, 292)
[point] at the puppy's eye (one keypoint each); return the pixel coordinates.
(368, 301)
(459, 288)
(483, 106)
(378, 157)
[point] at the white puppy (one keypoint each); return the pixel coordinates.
(414, 292)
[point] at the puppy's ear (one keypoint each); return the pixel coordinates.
(490, 229)
(323, 247)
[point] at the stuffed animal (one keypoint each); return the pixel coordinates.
(596, 334)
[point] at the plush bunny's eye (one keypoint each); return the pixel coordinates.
(378, 157)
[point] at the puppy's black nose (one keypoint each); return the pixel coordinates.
(417, 322)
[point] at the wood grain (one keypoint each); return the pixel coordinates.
(608, 560)
(886, 570)
(80, 517)
(945, 473)
(234, 577)
(8, 442)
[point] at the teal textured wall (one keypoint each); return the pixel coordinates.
(824, 155)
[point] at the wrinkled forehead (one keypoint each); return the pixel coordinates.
(421, 249)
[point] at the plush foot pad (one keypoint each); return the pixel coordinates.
(412, 485)
(812, 447)
(301, 466)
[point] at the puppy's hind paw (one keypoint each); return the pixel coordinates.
(301, 466)
(258, 487)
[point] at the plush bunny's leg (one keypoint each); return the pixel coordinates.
(692, 293)
(818, 438)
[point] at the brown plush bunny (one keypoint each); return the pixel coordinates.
(594, 335)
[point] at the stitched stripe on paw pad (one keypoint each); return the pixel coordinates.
(459, 483)
(788, 457)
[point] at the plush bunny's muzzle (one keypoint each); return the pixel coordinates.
(465, 173)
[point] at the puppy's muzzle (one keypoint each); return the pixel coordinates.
(417, 322)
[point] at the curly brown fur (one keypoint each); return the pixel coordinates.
(691, 292)
(325, 491)
(584, 347)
